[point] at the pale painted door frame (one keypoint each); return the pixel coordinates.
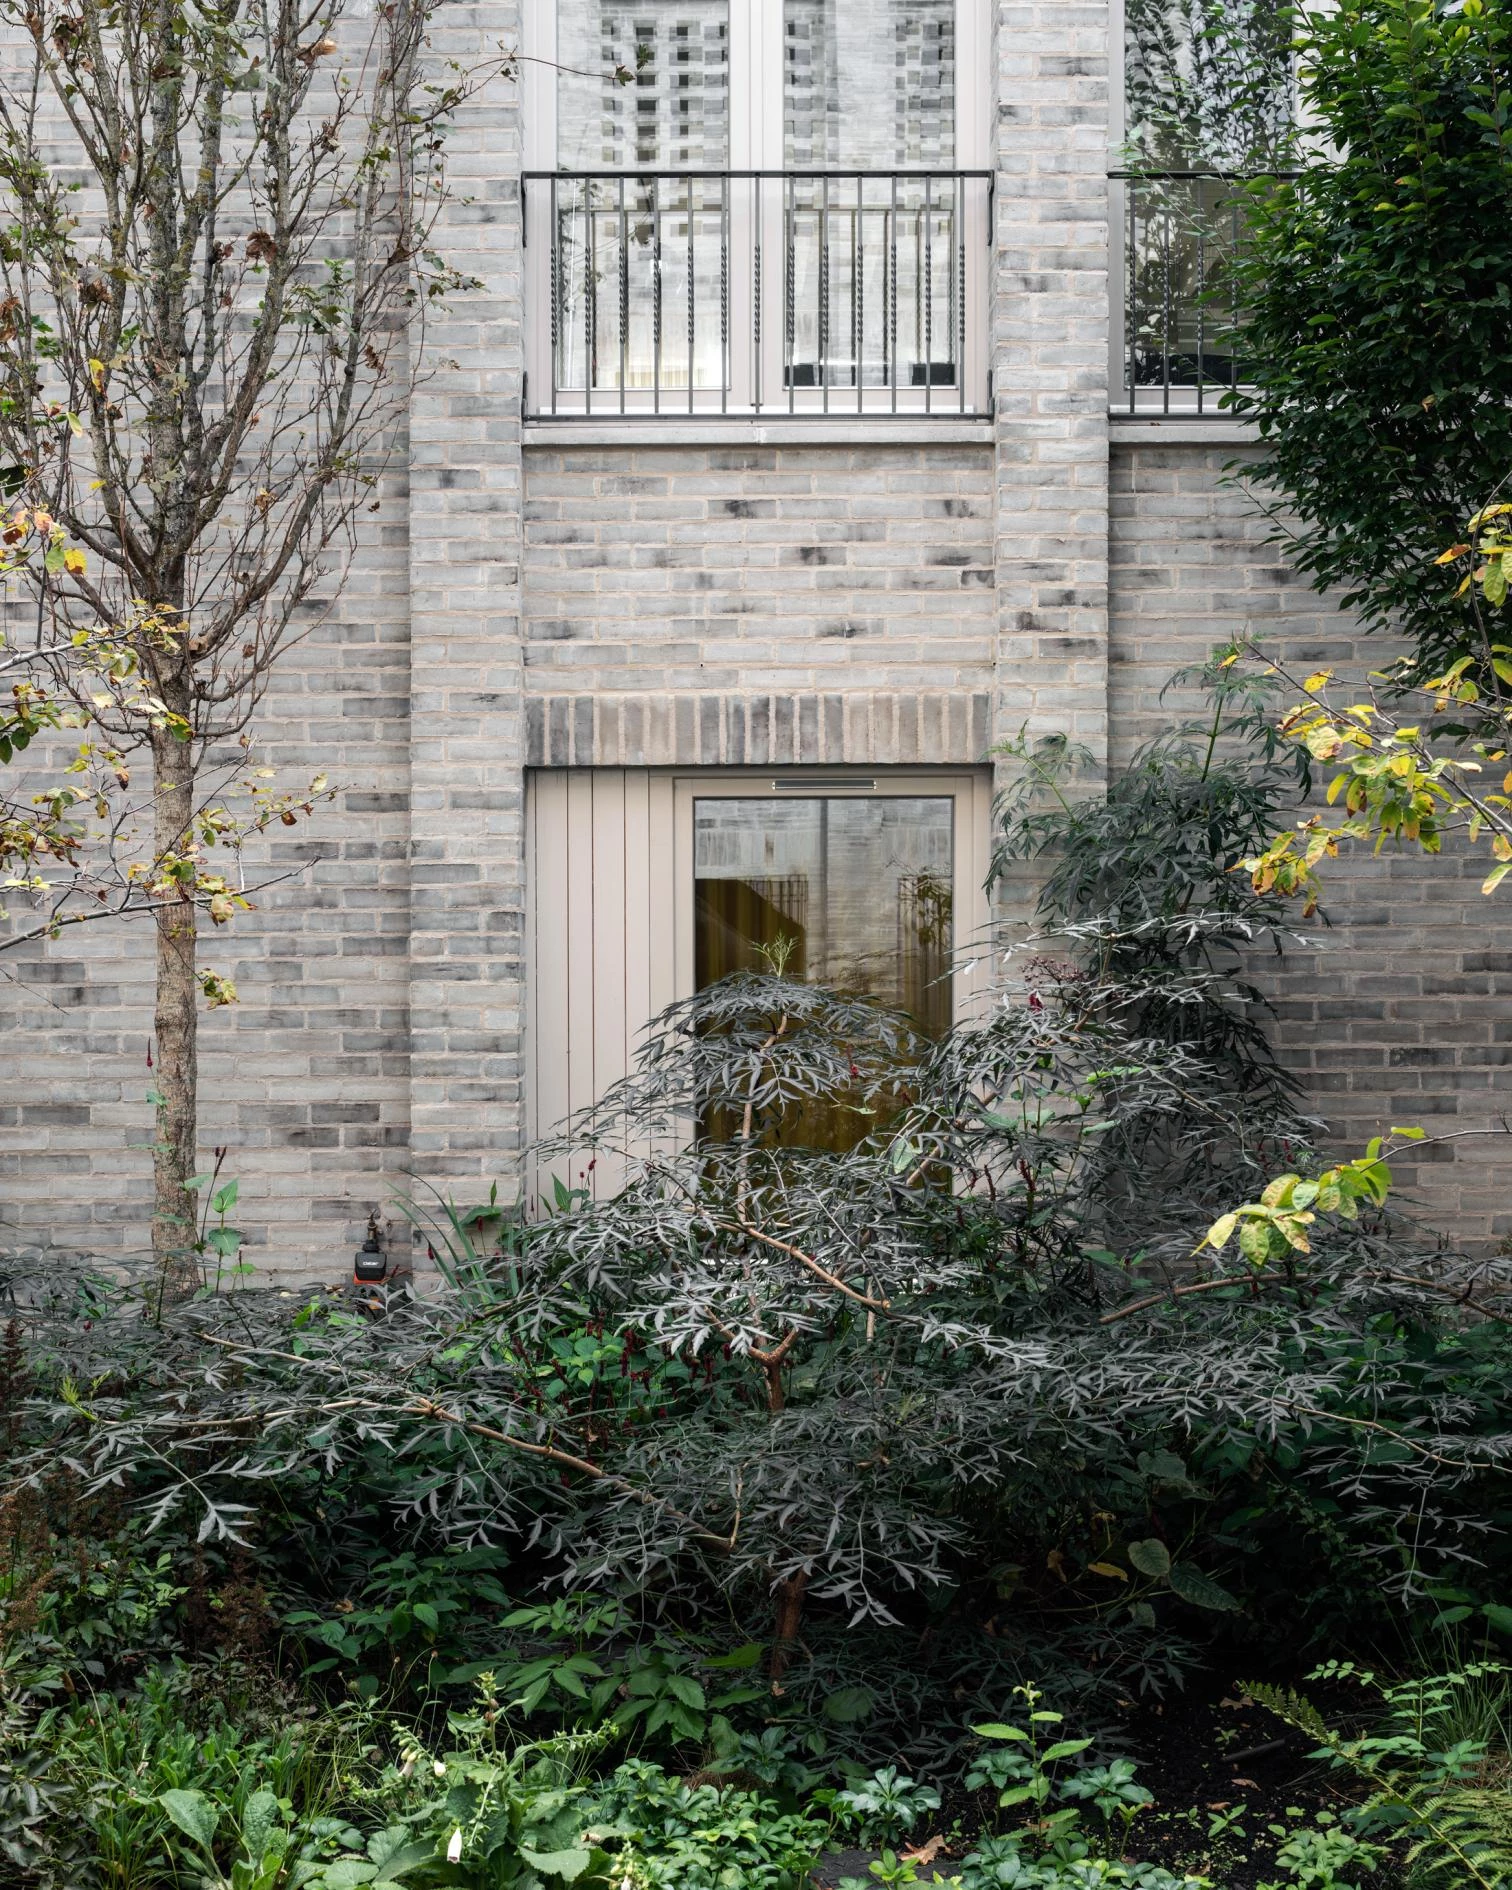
(609, 909)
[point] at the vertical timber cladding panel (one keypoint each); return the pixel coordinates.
(600, 925)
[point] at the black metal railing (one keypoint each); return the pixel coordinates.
(1181, 349)
(692, 293)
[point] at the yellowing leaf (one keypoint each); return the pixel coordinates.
(1278, 1193)
(1449, 556)
(1218, 1234)
(1110, 1569)
(74, 560)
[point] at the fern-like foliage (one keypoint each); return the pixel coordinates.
(1426, 1789)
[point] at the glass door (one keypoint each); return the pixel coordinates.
(857, 894)
(873, 885)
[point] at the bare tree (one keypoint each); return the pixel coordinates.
(213, 279)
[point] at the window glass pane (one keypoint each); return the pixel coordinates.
(861, 888)
(869, 84)
(1208, 82)
(641, 263)
(673, 114)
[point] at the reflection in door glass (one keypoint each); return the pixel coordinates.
(862, 889)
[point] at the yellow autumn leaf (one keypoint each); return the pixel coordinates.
(1449, 556)
(74, 560)
(1110, 1569)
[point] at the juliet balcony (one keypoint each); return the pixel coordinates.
(700, 294)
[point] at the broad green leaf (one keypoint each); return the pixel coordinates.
(259, 1821)
(1201, 1590)
(385, 1845)
(348, 1873)
(569, 1682)
(194, 1815)
(739, 1658)
(847, 1705)
(995, 1729)
(403, 1862)
(687, 1690)
(1151, 1557)
(1254, 1242)
(568, 1865)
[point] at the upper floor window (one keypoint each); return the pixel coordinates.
(1208, 100)
(674, 113)
(782, 210)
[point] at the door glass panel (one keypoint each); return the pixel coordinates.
(861, 888)
(870, 88)
(642, 263)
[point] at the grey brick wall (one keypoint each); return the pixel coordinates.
(467, 816)
(305, 1082)
(753, 572)
(1401, 1013)
(1050, 367)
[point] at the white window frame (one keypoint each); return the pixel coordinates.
(756, 66)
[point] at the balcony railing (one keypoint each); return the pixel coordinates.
(657, 295)
(1178, 351)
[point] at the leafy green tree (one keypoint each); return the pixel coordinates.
(1141, 872)
(1378, 334)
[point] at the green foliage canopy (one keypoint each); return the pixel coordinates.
(1378, 290)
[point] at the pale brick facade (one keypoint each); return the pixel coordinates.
(717, 593)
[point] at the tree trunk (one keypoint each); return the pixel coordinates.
(790, 1595)
(175, 1029)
